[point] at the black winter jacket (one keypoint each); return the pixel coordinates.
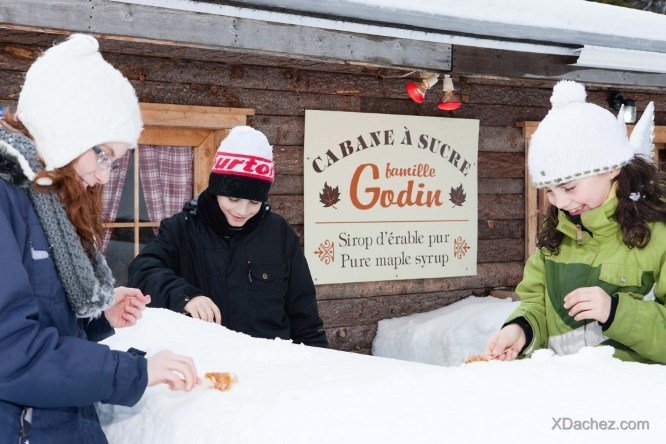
(259, 280)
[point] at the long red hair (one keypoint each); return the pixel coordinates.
(82, 205)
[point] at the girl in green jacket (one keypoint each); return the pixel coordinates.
(599, 273)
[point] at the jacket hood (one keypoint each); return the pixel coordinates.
(14, 167)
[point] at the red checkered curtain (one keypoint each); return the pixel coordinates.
(166, 177)
(112, 192)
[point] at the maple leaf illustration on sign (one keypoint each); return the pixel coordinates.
(457, 196)
(329, 196)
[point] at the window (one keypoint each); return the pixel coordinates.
(148, 184)
(170, 166)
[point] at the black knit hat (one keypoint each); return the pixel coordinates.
(243, 166)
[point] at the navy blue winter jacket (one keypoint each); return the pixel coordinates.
(48, 361)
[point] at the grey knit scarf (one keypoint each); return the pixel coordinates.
(88, 284)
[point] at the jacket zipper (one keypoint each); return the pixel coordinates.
(24, 438)
(249, 272)
(579, 234)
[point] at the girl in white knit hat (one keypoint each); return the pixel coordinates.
(599, 274)
(76, 114)
(229, 259)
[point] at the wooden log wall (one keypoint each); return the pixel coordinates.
(280, 90)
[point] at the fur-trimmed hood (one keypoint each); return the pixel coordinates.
(13, 166)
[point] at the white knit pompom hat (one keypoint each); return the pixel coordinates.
(576, 139)
(72, 100)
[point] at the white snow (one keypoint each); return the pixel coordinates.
(445, 336)
(571, 15)
(295, 394)
(564, 15)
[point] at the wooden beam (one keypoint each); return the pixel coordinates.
(136, 198)
(532, 197)
(181, 125)
(504, 293)
(358, 311)
(164, 25)
(489, 275)
(173, 136)
(185, 53)
(468, 60)
(157, 114)
(192, 109)
(204, 155)
(352, 338)
(659, 134)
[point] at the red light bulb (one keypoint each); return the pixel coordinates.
(449, 105)
(415, 92)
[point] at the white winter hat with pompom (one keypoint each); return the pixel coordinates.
(576, 139)
(72, 100)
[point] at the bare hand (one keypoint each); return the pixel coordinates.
(177, 371)
(506, 343)
(588, 303)
(126, 309)
(202, 307)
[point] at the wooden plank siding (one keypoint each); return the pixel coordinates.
(281, 89)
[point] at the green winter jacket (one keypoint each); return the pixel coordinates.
(638, 331)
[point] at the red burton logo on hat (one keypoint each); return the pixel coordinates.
(244, 165)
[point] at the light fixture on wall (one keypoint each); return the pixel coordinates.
(417, 90)
(450, 101)
(616, 100)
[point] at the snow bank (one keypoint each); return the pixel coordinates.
(295, 394)
(445, 336)
(573, 15)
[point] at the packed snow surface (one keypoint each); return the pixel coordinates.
(445, 336)
(492, 17)
(290, 393)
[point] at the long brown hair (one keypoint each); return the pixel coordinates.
(638, 176)
(82, 205)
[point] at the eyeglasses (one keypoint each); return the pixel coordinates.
(103, 160)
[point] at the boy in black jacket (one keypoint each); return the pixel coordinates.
(228, 258)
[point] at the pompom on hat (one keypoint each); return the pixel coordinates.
(576, 139)
(73, 100)
(243, 166)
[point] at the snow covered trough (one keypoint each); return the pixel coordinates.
(296, 394)
(445, 336)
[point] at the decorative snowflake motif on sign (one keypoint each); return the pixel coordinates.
(326, 252)
(460, 247)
